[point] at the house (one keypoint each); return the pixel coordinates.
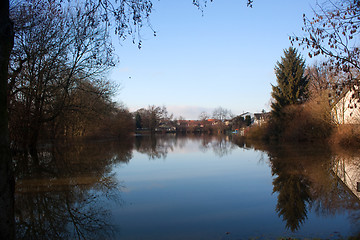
(212, 122)
(260, 118)
(227, 122)
(251, 115)
(347, 109)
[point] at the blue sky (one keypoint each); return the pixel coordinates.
(197, 62)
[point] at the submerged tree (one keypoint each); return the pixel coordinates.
(58, 52)
(292, 84)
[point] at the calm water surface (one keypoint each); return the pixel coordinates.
(173, 187)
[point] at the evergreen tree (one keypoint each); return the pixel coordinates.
(292, 83)
(138, 121)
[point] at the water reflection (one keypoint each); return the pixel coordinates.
(221, 145)
(63, 192)
(292, 187)
(158, 146)
(67, 191)
(155, 147)
(307, 177)
(70, 191)
(346, 170)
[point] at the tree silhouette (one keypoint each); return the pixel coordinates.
(291, 85)
(293, 198)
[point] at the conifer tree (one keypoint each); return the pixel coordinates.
(292, 84)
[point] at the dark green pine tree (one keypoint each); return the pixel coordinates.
(292, 84)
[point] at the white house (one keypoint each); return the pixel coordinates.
(261, 118)
(347, 109)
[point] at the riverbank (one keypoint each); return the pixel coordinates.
(342, 136)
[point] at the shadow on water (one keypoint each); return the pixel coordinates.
(312, 177)
(63, 191)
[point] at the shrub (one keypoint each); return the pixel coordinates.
(298, 123)
(258, 132)
(307, 122)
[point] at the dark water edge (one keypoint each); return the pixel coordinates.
(73, 190)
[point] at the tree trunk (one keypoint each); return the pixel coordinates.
(7, 185)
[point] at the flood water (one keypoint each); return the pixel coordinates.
(178, 187)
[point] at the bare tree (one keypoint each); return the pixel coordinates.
(7, 188)
(222, 114)
(203, 116)
(56, 50)
(333, 32)
(153, 116)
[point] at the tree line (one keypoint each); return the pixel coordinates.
(157, 119)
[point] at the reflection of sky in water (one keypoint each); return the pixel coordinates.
(199, 195)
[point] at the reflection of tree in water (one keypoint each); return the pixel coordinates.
(73, 214)
(154, 146)
(293, 197)
(222, 146)
(304, 178)
(158, 146)
(293, 190)
(64, 192)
